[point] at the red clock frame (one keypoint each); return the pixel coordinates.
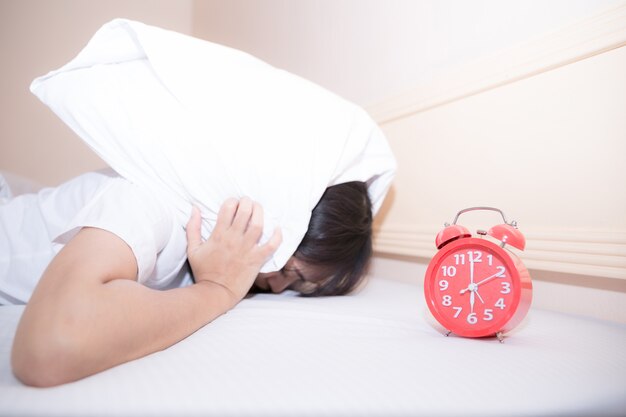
(475, 287)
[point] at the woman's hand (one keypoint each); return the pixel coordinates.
(232, 257)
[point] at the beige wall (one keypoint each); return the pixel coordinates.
(370, 50)
(37, 36)
(538, 131)
(547, 149)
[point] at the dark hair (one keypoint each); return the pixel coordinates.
(337, 247)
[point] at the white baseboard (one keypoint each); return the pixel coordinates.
(591, 253)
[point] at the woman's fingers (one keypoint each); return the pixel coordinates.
(269, 247)
(232, 255)
(194, 239)
(239, 219)
(254, 229)
(243, 215)
(225, 215)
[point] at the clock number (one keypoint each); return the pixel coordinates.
(490, 259)
(458, 311)
(447, 300)
(500, 304)
(443, 285)
(501, 271)
(506, 287)
(488, 314)
(472, 319)
(475, 256)
(448, 271)
(459, 258)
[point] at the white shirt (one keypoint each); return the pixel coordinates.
(34, 228)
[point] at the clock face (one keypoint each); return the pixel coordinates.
(472, 287)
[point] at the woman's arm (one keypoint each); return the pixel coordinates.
(88, 313)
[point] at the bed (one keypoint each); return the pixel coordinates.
(374, 353)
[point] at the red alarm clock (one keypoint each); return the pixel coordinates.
(475, 287)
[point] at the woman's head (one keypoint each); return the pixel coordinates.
(334, 253)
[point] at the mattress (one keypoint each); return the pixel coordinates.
(374, 353)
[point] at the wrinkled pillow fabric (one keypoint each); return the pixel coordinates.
(197, 123)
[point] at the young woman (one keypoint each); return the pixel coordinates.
(102, 267)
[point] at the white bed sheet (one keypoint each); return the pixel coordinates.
(375, 353)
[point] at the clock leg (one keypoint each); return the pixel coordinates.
(447, 333)
(500, 337)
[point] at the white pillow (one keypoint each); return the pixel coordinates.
(198, 122)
